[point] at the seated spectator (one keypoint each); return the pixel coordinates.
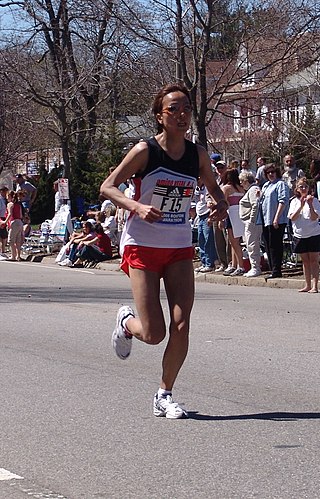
(96, 250)
(76, 243)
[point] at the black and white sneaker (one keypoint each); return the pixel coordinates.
(121, 340)
(165, 407)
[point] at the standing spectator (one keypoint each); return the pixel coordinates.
(248, 211)
(3, 210)
(304, 212)
(233, 192)
(245, 168)
(214, 158)
(315, 175)
(27, 228)
(260, 177)
(57, 199)
(234, 164)
(207, 247)
(274, 204)
(157, 239)
(30, 191)
(15, 225)
(110, 225)
(291, 173)
(220, 234)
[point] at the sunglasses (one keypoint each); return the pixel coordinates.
(270, 171)
(173, 109)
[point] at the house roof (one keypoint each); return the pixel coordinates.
(265, 64)
(133, 128)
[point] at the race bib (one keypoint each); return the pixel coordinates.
(173, 199)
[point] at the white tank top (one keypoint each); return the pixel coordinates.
(170, 191)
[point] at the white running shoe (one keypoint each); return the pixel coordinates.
(206, 269)
(121, 340)
(219, 268)
(165, 407)
(65, 263)
(198, 269)
(253, 273)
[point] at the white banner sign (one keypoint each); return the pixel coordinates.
(63, 185)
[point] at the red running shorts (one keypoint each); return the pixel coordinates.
(153, 259)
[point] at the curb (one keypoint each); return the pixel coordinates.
(294, 282)
(261, 281)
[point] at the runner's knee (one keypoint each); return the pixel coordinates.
(179, 329)
(154, 336)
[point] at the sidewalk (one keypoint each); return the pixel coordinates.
(292, 278)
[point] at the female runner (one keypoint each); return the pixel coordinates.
(157, 241)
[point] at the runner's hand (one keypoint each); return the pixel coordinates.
(148, 213)
(218, 211)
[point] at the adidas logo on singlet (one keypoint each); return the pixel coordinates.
(175, 192)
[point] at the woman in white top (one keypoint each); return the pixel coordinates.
(304, 212)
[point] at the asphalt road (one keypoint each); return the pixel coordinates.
(77, 423)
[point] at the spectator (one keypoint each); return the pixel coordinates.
(30, 191)
(121, 216)
(193, 220)
(26, 226)
(76, 243)
(245, 168)
(15, 225)
(234, 164)
(3, 210)
(57, 199)
(291, 173)
(214, 158)
(260, 177)
(220, 234)
(110, 224)
(95, 250)
(304, 212)
(248, 211)
(207, 247)
(315, 175)
(233, 193)
(106, 204)
(274, 204)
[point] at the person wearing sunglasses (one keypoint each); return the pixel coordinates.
(273, 211)
(157, 238)
(304, 212)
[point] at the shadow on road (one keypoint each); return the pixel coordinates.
(268, 416)
(61, 294)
